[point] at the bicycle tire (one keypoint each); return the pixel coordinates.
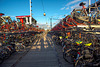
(7, 54)
(79, 15)
(82, 62)
(16, 48)
(98, 14)
(21, 49)
(68, 56)
(79, 65)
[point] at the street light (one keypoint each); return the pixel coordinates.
(51, 23)
(30, 13)
(89, 7)
(44, 14)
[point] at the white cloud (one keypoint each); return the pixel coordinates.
(66, 14)
(68, 4)
(86, 3)
(62, 8)
(77, 5)
(72, 2)
(67, 8)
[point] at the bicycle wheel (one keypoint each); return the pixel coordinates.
(16, 48)
(80, 15)
(97, 18)
(22, 48)
(79, 64)
(69, 56)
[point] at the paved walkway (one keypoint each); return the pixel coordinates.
(42, 54)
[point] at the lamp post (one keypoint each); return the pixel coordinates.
(30, 13)
(89, 14)
(89, 7)
(51, 22)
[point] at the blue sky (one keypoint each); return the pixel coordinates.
(55, 8)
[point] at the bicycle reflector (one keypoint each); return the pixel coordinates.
(98, 20)
(60, 37)
(79, 53)
(79, 42)
(89, 44)
(66, 36)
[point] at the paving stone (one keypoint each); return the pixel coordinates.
(42, 54)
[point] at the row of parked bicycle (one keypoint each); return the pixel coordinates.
(81, 51)
(15, 43)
